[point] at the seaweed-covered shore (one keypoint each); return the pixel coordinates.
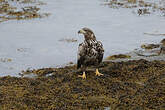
(20, 10)
(131, 85)
(125, 85)
(141, 7)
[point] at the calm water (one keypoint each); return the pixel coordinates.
(35, 43)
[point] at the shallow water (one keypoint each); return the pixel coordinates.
(35, 43)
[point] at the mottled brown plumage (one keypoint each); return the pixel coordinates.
(90, 52)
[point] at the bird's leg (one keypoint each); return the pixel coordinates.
(98, 73)
(82, 76)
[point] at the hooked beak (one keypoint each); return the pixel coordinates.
(81, 32)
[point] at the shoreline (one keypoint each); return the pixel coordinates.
(129, 83)
(133, 84)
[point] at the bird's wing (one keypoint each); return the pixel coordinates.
(100, 50)
(81, 55)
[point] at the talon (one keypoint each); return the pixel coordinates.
(98, 73)
(82, 76)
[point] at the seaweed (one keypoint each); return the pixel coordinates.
(119, 56)
(12, 12)
(142, 7)
(125, 85)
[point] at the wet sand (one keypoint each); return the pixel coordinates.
(133, 85)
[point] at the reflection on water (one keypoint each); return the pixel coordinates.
(35, 43)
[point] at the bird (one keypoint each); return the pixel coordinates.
(90, 52)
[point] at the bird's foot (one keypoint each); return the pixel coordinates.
(98, 73)
(82, 76)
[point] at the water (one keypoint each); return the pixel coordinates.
(35, 43)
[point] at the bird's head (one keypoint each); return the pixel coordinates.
(88, 33)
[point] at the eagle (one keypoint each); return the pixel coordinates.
(90, 52)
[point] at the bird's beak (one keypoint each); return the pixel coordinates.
(81, 32)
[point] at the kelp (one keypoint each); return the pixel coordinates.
(127, 85)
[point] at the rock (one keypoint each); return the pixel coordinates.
(162, 42)
(150, 46)
(162, 49)
(113, 57)
(143, 11)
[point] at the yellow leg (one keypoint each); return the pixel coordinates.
(82, 76)
(98, 73)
